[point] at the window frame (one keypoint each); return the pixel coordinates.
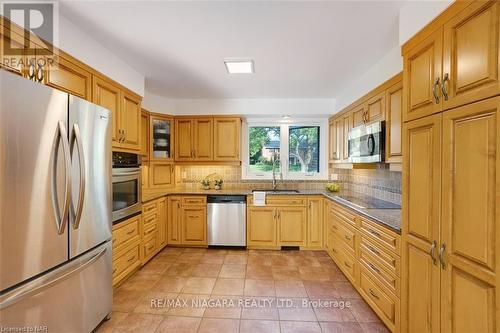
(284, 147)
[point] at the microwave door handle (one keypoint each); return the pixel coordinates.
(371, 139)
(76, 137)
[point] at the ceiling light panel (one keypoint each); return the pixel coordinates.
(239, 66)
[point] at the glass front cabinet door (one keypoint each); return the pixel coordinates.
(161, 138)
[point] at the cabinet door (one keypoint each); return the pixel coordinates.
(315, 222)
(145, 135)
(470, 221)
(332, 146)
(394, 107)
(421, 220)
(161, 175)
(375, 108)
(339, 139)
(422, 77)
(130, 121)
(292, 226)
(108, 96)
(261, 226)
(194, 225)
(227, 139)
(69, 77)
(471, 65)
(174, 220)
(161, 138)
(203, 139)
(346, 127)
(183, 140)
(162, 222)
(14, 61)
(358, 115)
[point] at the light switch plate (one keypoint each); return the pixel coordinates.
(334, 176)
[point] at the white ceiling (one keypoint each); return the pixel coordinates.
(301, 49)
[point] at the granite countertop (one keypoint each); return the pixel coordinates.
(389, 216)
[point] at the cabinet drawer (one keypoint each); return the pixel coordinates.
(385, 277)
(149, 220)
(347, 236)
(194, 200)
(146, 232)
(385, 305)
(381, 234)
(149, 207)
(149, 248)
(387, 258)
(343, 215)
(125, 233)
(126, 262)
(277, 200)
(348, 265)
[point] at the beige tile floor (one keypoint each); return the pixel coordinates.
(208, 287)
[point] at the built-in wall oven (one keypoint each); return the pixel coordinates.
(126, 186)
(367, 143)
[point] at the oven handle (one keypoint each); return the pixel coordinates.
(371, 138)
(127, 173)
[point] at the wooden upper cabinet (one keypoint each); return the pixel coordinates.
(203, 137)
(15, 63)
(358, 115)
(471, 66)
(375, 108)
(394, 110)
(108, 96)
(183, 139)
(227, 139)
(145, 135)
(69, 77)
(339, 139)
(420, 230)
(332, 148)
(130, 119)
(346, 127)
(422, 77)
(161, 175)
(161, 138)
(470, 222)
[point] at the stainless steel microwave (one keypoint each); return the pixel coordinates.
(366, 143)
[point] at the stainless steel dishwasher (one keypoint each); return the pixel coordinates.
(227, 220)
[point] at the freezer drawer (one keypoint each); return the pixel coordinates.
(73, 298)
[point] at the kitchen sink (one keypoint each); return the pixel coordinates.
(278, 191)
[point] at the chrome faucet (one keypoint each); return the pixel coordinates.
(275, 161)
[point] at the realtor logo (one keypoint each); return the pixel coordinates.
(38, 18)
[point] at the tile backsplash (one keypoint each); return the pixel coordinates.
(380, 183)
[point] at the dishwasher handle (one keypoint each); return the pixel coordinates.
(226, 199)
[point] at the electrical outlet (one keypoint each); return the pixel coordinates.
(334, 176)
(183, 175)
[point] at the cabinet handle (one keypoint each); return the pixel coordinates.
(149, 231)
(114, 271)
(373, 294)
(334, 227)
(131, 232)
(373, 232)
(131, 259)
(443, 86)
(431, 252)
(374, 268)
(39, 73)
(31, 71)
(178, 205)
(373, 250)
(347, 265)
(348, 237)
(151, 247)
(114, 240)
(192, 216)
(441, 255)
(434, 91)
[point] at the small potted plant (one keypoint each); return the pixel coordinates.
(218, 183)
(205, 183)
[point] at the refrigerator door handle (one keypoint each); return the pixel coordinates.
(49, 279)
(76, 137)
(61, 138)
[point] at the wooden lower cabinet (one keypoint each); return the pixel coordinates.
(314, 237)
(187, 224)
(194, 225)
(126, 248)
(261, 227)
(369, 256)
(162, 222)
(292, 226)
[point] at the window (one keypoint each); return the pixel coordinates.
(295, 150)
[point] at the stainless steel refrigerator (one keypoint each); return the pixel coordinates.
(55, 209)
